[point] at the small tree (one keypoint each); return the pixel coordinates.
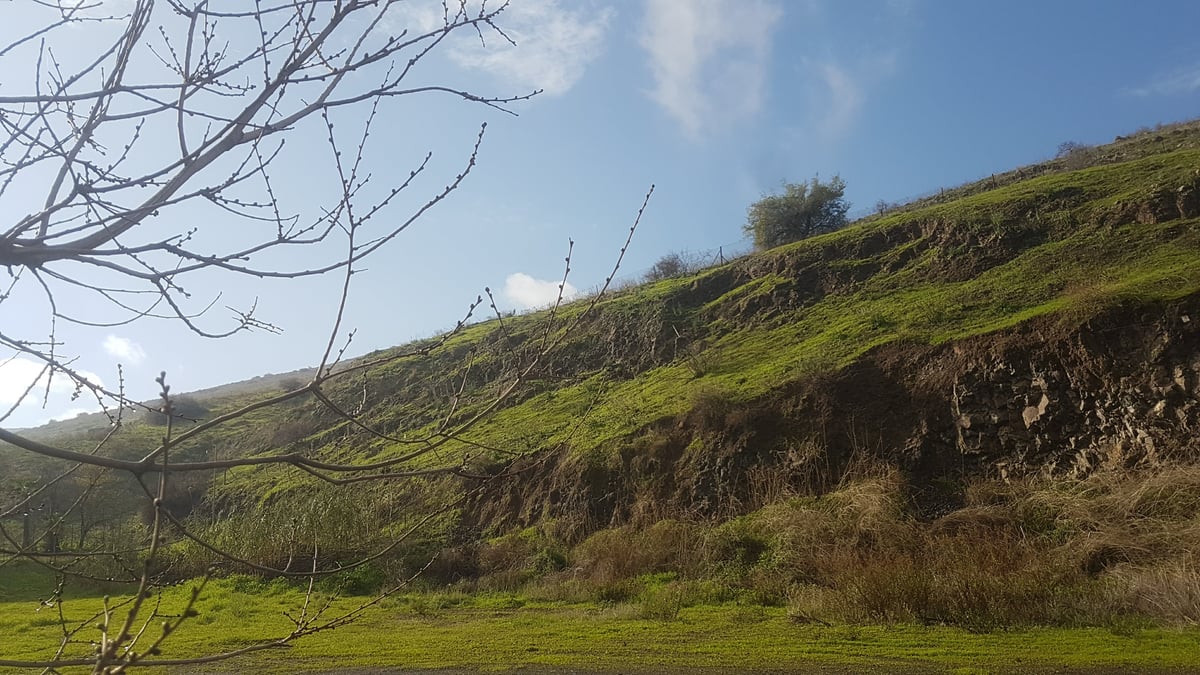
(669, 266)
(803, 210)
(1075, 155)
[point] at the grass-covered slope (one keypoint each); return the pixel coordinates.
(976, 411)
(1046, 243)
(1066, 243)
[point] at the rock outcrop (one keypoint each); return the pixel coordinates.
(1119, 391)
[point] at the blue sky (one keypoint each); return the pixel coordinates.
(714, 101)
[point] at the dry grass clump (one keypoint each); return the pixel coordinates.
(1172, 494)
(620, 564)
(863, 515)
(1038, 552)
(858, 555)
(1169, 591)
(1114, 518)
(626, 553)
(1124, 543)
(1141, 533)
(1115, 549)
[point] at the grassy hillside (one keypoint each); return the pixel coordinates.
(974, 260)
(1063, 243)
(1050, 242)
(976, 410)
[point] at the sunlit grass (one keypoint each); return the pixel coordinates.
(504, 633)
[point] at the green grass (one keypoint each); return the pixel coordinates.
(852, 565)
(719, 637)
(1076, 276)
(506, 633)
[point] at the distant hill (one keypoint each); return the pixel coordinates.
(88, 423)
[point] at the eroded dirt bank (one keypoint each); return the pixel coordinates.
(1051, 396)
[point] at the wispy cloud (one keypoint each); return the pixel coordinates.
(526, 292)
(709, 58)
(842, 100)
(124, 350)
(1183, 80)
(838, 91)
(556, 41)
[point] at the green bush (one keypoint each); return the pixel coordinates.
(662, 603)
(516, 558)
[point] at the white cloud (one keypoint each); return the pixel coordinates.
(124, 350)
(15, 376)
(17, 373)
(526, 292)
(1179, 81)
(555, 42)
(709, 58)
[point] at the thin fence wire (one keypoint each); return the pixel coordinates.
(694, 260)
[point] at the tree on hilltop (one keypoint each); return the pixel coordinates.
(801, 211)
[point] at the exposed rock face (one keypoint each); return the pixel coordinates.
(1167, 203)
(1122, 394)
(1123, 390)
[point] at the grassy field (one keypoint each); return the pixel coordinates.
(1097, 575)
(504, 632)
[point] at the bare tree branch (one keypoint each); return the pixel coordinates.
(119, 168)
